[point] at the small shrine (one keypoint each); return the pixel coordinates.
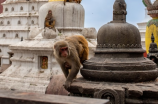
(153, 51)
(152, 25)
(118, 71)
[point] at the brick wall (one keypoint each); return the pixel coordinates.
(1, 8)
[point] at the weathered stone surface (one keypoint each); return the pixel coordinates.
(49, 33)
(34, 31)
(90, 33)
(56, 86)
(17, 97)
(118, 93)
(119, 54)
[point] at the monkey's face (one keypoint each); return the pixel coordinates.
(64, 52)
(61, 49)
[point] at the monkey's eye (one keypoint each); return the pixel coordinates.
(64, 49)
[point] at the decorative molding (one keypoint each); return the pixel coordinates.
(119, 46)
(147, 3)
(110, 94)
(121, 12)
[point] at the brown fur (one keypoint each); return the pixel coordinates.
(77, 1)
(77, 53)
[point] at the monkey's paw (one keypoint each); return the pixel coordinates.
(67, 84)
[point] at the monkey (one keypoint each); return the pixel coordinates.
(70, 54)
(49, 21)
(76, 1)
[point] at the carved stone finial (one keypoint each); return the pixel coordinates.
(152, 38)
(119, 11)
(153, 46)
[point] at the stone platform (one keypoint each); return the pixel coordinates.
(117, 93)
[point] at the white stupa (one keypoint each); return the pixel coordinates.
(33, 62)
(18, 17)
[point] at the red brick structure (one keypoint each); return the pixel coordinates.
(1, 8)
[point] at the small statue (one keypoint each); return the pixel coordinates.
(44, 64)
(49, 22)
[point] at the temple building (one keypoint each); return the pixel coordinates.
(16, 20)
(142, 28)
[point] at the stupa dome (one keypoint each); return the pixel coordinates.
(68, 17)
(120, 35)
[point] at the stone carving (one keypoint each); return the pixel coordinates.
(153, 51)
(152, 8)
(34, 31)
(109, 94)
(119, 46)
(89, 33)
(49, 33)
(147, 3)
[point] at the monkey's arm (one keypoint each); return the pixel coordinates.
(47, 24)
(53, 24)
(62, 65)
(75, 67)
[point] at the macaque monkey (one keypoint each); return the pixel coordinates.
(76, 1)
(49, 21)
(70, 54)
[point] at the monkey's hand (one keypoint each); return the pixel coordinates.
(67, 84)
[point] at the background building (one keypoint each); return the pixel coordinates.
(18, 17)
(1, 7)
(142, 28)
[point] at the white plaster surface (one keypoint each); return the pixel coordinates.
(10, 25)
(142, 28)
(89, 33)
(49, 33)
(69, 18)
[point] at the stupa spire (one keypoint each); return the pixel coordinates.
(119, 11)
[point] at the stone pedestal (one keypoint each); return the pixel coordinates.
(118, 71)
(117, 93)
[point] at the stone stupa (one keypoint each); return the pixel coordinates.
(118, 71)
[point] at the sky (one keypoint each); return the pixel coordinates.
(100, 12)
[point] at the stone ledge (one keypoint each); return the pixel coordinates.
(146, 92)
